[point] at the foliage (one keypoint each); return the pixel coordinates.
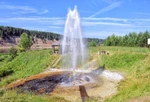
(132, 39)
(20, 49)
(25, 41)
(12, 31)
(1, 34)
(6, 32)
(95, 40)
(92, 43)
(12, 53)
(4, 59)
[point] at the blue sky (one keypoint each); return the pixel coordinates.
(99, 18)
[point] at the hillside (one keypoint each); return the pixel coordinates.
(10, 36)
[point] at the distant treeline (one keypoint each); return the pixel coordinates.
(132, 39)
(97, 41)
(6, 31)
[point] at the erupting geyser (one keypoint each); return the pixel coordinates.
(73, 47)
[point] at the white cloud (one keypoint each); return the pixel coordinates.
(14, 9)
(108, 8)
(40, 20)
(36, 18)
(43, 11)
(85, 23)
(92, 27)
(94, 3)
(105, 19)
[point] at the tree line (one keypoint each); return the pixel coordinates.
(132, 39)
(91, 42)
(6, 31)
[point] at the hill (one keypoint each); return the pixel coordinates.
(10, 36)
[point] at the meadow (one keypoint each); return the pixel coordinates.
(131, 62)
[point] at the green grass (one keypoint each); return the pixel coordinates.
(14, 96)
(25, 65)
(137, 82)
(115, 49)
(122, 61)
(3, 59)
(134, 63)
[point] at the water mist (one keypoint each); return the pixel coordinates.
(73, 47)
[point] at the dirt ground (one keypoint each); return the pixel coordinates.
(98, 91)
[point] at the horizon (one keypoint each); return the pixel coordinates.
(99, 18)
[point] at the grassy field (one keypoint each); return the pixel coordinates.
(3, 59)
(24, 65)
(134, 64)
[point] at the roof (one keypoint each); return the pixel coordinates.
(56, 43)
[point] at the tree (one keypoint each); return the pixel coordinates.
(25, 41)
(107, 41)
(1, 34)
(146, 36)
(92, 43)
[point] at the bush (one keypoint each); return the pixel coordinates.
(25, 41)
(20, 49)
(12, 53)
(92, 43)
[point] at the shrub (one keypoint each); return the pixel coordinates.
(12, 53)
(92, 43)
(25, 41)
